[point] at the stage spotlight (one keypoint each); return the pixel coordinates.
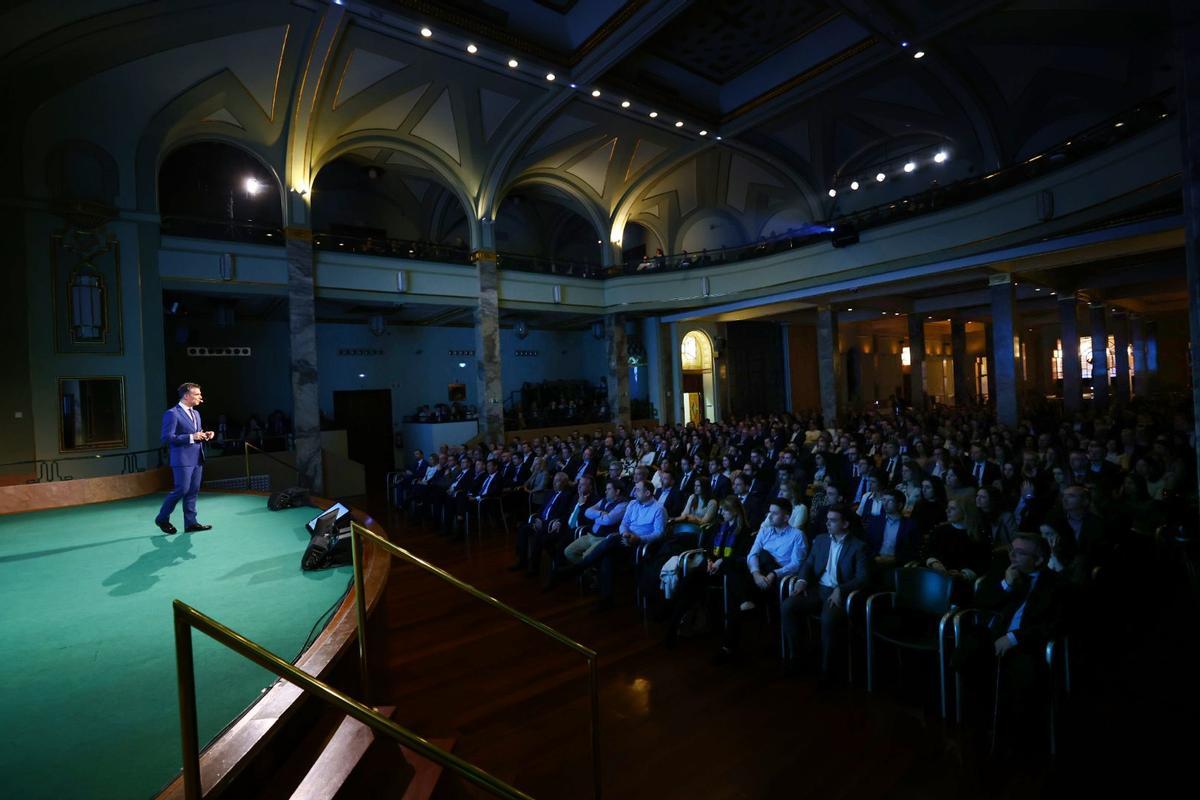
(880, 177)
(909, 167)
(653, 115)
(854, 186)
(844, 235)
(919, 54)
(833, 192)
(704, 133)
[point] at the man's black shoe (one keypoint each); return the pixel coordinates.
(197, 528)
(166, 527)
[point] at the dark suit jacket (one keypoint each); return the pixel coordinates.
(491, 488)
(991, 472)
(908, 540)
(673, 505)
(685, 481)
(852, 565)
(585, 469)
(1043, 607)
(176, 429)
(721, 489)
(558, 507)
(755, 511)
(1080, 555)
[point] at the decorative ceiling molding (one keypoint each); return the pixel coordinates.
(224, 115)
(392, 114)
(494, 108)
(257, 61)
(439, 127)
(363, 70)
(593, 168)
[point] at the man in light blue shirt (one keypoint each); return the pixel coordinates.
(778, 551)
(643, 523)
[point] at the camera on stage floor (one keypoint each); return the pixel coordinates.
(294, 497)
(330, 543)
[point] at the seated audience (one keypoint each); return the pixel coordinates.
(837, 566)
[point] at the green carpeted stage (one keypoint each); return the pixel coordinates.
(88, 701)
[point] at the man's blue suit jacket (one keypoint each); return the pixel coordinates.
(176, 427)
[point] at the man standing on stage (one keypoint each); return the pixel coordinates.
(183, 435)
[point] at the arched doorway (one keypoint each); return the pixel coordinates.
(699, 385)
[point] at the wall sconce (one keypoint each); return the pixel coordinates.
(225, 266)
(557, 293)
(401, 281)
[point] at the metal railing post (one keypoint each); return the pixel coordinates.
(360, 610)
(185, 670)
(246, 461)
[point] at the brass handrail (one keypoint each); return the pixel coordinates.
(357, 530)
(187, 618)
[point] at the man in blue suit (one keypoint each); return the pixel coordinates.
(184, 437)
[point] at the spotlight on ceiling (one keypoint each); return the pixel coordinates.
(904, 43)
(941, 157)
(512, 63)
(624, 104)
(549, 76)
(833, 192)
(426, 33)
(909, 166)
(653, 115)
(854, 186)
(472, 49)
(880, 177)
(919, 54)
(595, 92)
(678, 123)
(704, 133)
(252, 186)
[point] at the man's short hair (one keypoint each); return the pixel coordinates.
(1043, 547)
(899, 496)
(784, 504)
(840, 509)
(184, 388)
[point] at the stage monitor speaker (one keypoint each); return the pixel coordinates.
(288, 498)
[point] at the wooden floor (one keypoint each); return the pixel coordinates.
(672, 724)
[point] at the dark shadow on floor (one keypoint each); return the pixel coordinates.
(140, 575)
(57, 550)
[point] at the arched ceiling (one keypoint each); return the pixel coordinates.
(804, 94)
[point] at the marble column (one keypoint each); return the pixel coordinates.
(828, 363)
(1141, 374)
(618, 369)
(1120, 329)
(488, 388)
(1186, 19)
(306, 409)
(1072, 376)
(916, 360)
(1002, 365)
(958, 350)
(785, 332)
(990, 355)
(1099, 326)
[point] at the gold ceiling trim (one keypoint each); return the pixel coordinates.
(803, 77)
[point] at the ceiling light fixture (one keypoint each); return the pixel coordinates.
(678, 123)
(472, 49)
(854, 186)
(833, 192)
(941, 157)
(624, 104)
(549, 76)
(426, 33)
(704, 133)
(595, 92)
(653, 115)
(512, 63)
(880, 177)
(919, 54)
(910, 166)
